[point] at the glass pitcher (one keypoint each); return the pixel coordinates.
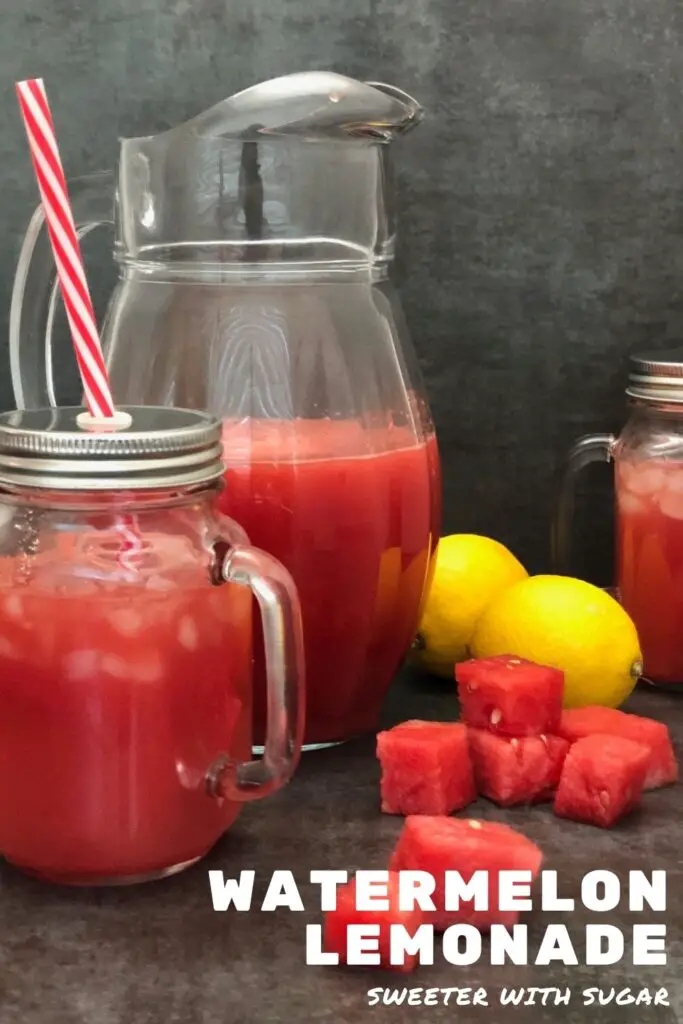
(648, 475)
(253, 245)
(126, 649)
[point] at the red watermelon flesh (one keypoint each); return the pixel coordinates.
(426, 768)
(662, 767)
(602, 779)
(437, 845)
(510, 696)
(345, 913)
(516, 771)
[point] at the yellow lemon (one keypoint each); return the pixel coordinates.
(469, 572)
(570, 625)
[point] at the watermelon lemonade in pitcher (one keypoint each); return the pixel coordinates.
(352, 513)
(648, 467)
(253, 245)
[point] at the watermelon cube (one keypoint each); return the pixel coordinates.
(345, 914)
(513, 771)
(662, 768)
(602, 779)
(426, 768)
(510, 696)
(463, 845)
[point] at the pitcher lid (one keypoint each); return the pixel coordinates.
(657, 377)
(162, 448)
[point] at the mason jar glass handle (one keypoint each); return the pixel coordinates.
(592, 448)
(278, 602)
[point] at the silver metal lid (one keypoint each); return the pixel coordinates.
(162, 448)
(657, 377)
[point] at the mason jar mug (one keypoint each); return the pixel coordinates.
(126, 648)
(648, 476)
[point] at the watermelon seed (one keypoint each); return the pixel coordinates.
(544, 739)
(603, 797)
(496, 716)
(474, 824)
(514, 661)
(472, 687)
(514, 744)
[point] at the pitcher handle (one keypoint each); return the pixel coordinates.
(588, 449)
(35, 292)
(278, 601)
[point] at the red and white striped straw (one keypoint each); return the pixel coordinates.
(67, 251)
(71, 273)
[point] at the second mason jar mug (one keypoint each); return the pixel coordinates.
(648, 471)
(126, 648)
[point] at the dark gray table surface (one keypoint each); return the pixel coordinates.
(159, 954)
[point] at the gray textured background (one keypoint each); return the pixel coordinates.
(541, 198)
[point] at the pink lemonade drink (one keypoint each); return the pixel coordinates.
(115, 698)
(354, 515)
(650, 560)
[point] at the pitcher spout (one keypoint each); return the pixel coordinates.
(414, 112)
